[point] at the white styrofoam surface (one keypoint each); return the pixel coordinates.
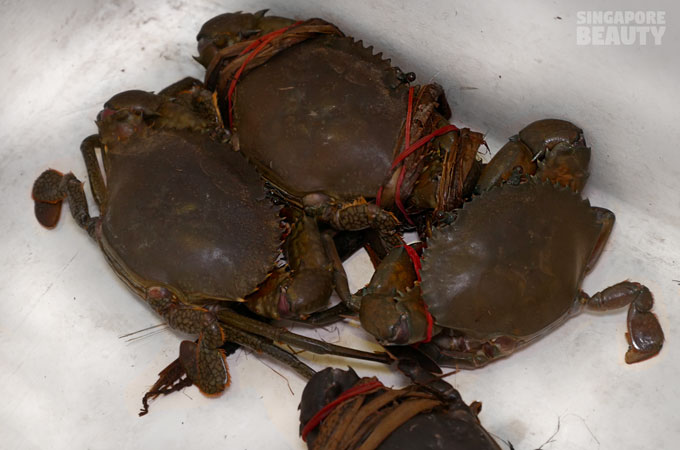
(68, 381)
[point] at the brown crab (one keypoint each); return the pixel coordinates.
(330, 124)
(186, 224)
(509, 268)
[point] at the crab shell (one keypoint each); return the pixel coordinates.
(512, 263)
(324, 115)
(185, 211)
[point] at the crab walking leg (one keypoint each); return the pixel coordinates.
(645, 336)
(204, 362)
(259, 344)
(174, 376)
(358, 215)
(94, 173)
(327, 316)
(231, 319)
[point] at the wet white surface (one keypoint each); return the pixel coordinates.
(68, 381)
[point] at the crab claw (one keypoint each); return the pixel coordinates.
(229, 29)
(399, 320)
(48, 195)
(645, 336)
(207, 369)
(381, 316)
(551, 149)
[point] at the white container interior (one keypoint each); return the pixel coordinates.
(68, 381)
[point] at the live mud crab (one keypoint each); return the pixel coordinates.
(341, 411)
(509, 268)
(329, 124)
(186, 224)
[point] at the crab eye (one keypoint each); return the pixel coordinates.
(138, 111)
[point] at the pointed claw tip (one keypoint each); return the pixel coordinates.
(47, 214)
(635, 356)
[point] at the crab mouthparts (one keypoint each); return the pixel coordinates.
(284, 305)
(104, 113)
(400, 332)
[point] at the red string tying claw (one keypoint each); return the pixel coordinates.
(415, 259)
(417, 265)
(326, 410)
(409, 148)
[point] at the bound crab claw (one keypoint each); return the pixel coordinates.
(343, 125)
(340, 410)
(509, 268)
(186, 224)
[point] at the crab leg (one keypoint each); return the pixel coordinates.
(645, 336)
(231, 319)
(328, 316)
(50, 190)
(94, 173)
(358, 215)
(204, 362)
(259, 344)
(174, 376)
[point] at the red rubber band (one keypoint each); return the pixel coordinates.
(422, 141)
(430, 324)
(326, 410)
(410, 148)
(255, 47)
(402, 172)
(415, 259)
(397, 195)
(378, 197)
(409, 115)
